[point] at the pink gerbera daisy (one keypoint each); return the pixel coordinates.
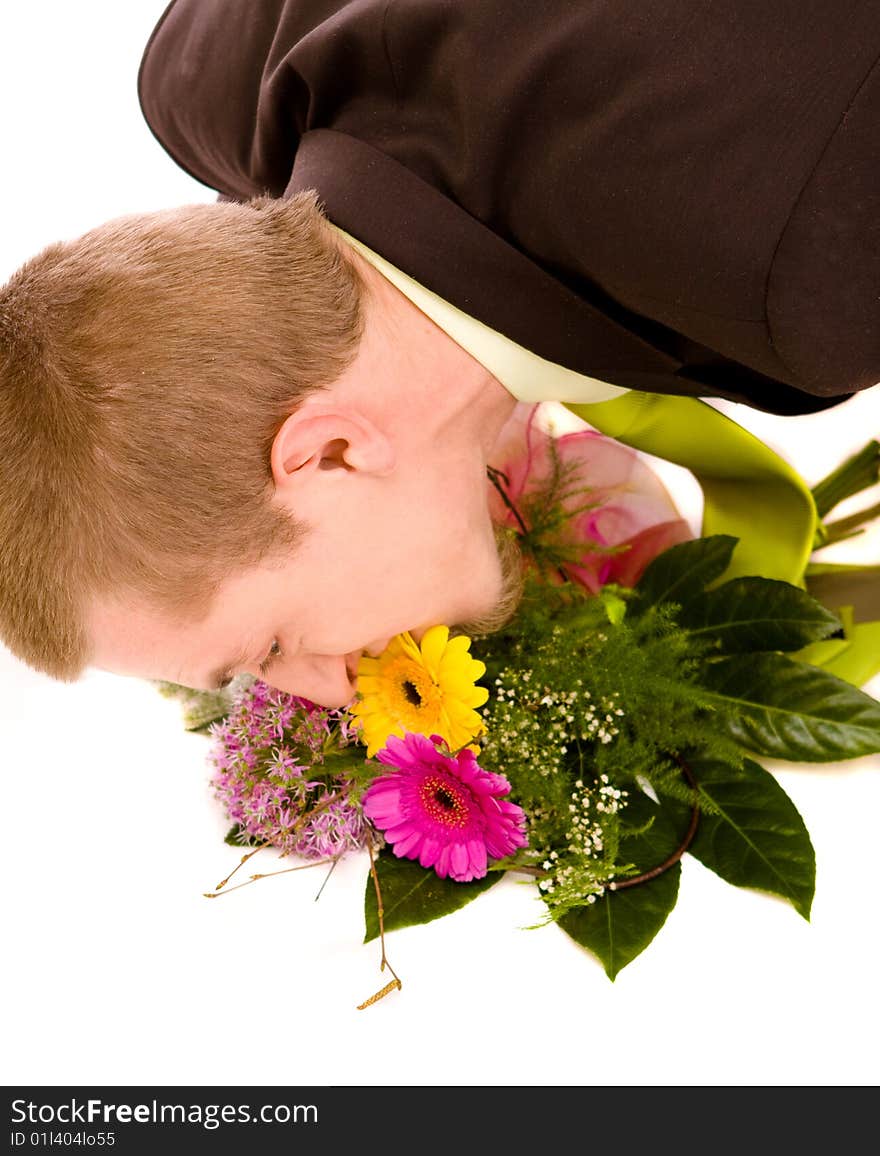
(443, 809)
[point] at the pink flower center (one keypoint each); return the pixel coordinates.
(442, 802)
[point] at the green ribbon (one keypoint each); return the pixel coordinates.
(855, 657)
(749, 492)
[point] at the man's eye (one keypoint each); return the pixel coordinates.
(274, 653)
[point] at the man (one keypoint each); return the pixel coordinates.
(256, 432)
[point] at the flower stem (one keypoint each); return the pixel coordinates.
(857, 473)
(499, 480)
(496, 477)
(842, 528)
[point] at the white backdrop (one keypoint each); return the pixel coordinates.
(116, 969)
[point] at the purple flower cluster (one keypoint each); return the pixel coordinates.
(272, 759)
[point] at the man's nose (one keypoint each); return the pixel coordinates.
(321, 678)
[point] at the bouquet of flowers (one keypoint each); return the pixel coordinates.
(615, 724)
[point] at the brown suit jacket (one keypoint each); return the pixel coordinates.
(679, 196)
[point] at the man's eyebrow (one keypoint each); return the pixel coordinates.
(225, 674)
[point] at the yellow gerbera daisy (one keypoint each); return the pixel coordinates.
(426, 688)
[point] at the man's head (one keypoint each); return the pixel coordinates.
(205, 448)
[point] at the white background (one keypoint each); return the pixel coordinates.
(116, 969)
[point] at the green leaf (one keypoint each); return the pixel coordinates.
(685, 570)
(199, 708)
(790, 710)
(413, 894)
(757, 614)
(615, 607)
(755, 836)
(619, 925)
(238, 837)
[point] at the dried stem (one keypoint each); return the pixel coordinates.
(333, 863)
(394, 983)
(219, 886)
(269, 874)
(301, 822)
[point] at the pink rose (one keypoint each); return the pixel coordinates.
(613, 497)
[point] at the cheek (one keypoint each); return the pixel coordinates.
(355, 595)
(394, 566)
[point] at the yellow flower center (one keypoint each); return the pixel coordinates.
(415, 690)
(411, 693)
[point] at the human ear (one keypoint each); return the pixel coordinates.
(316, 437)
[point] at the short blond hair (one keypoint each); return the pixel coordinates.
(144, 371)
